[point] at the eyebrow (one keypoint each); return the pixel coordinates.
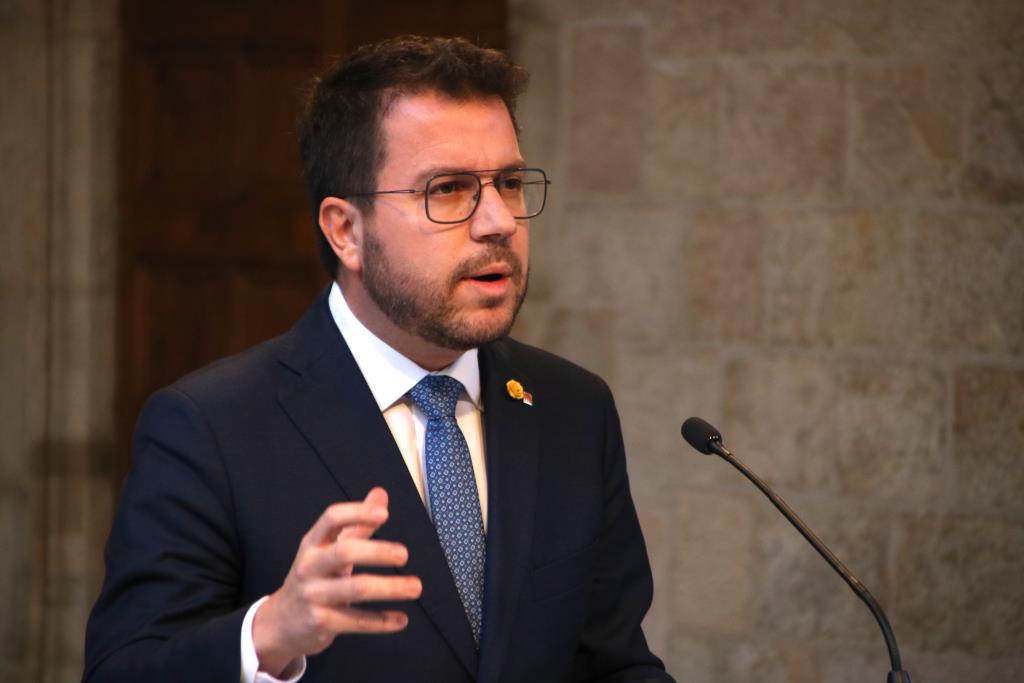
(424, 176)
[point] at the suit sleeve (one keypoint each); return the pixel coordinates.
(612, 646)
(168, 609)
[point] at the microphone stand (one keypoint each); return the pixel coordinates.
(897, 674)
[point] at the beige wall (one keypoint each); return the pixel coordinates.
(57, 140)
(804, 221)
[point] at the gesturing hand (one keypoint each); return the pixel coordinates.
(316, 601)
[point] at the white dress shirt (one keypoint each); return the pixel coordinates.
(390, 376)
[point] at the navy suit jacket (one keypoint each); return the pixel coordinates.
(234, 463)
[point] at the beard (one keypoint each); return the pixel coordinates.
(424, 307)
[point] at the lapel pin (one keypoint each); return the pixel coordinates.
(516, 391)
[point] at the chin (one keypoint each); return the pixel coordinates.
(477, 330)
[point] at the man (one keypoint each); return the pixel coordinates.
(393, 490)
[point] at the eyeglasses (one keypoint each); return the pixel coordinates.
(453, 197)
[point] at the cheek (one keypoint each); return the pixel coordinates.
(521, 245)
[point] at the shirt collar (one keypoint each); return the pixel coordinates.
(389, 374)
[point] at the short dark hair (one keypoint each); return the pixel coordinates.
(340, 139)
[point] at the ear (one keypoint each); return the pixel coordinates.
(342, 226)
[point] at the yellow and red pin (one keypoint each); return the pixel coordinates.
(516, 391)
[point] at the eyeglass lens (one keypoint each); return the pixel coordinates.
(453, 198)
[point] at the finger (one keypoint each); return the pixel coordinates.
(340, 515)
(339, 557)
(357, 588)
(355, 620)
(376, 497)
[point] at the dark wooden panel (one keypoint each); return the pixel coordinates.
(178, 321)
(266, 303)
(217, 248)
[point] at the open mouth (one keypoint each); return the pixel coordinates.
(488, 277)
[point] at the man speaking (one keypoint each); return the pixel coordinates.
(393, 490)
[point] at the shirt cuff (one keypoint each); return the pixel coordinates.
(251, 663)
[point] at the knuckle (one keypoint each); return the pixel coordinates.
(342, 551)
(309, 594)
(357, 589)
(303, 570)
(320, 621)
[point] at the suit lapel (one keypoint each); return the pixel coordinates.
(511, 434)
(331, 404)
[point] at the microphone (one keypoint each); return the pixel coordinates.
(708, 440)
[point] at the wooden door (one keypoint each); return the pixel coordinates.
(217, 247)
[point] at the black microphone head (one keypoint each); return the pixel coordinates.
(700, 435)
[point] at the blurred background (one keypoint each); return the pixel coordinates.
(800, 219)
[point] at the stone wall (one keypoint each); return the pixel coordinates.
(801, 219)
(58, 66)
(804, 221)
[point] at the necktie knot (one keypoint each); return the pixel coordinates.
(437, 396)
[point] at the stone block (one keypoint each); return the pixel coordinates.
(625, 258)
(83, 210)
(867, 662)
(17, 538)
(543, 13)
(23, 163)
(905, 126)
(988, 433)
(88, 18)
(784, 131)
(80, 502)
(845, 28)
(956, 667)
(890, 432)
(538, 49)
(937, 29)
(659, 535)
(607, 108)
(966, 283)
(685, 28)
(23, 370)
(691, 658)
(957, 584)
(780, 417)
(713, 569)
(799, 595)
(871, 429)
(995, 134)
(997, 27)
(83, 364)
(724, 283)
(681, 141)
(23, 15)
(957, 28)
(654, 394)
(766, 660)
(833, 277)
(585, 336)
(804, 27)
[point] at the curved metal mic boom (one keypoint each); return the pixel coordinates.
(706, 439)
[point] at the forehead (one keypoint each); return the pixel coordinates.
(428, 130)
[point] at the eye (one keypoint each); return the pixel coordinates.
(451, 186)
(509, 183)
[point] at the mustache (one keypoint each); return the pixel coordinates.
(493, 254)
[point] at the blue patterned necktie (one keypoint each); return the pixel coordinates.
(451, 486)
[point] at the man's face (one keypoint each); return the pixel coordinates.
(453, 286)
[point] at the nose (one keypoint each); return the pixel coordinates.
(492, 218)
